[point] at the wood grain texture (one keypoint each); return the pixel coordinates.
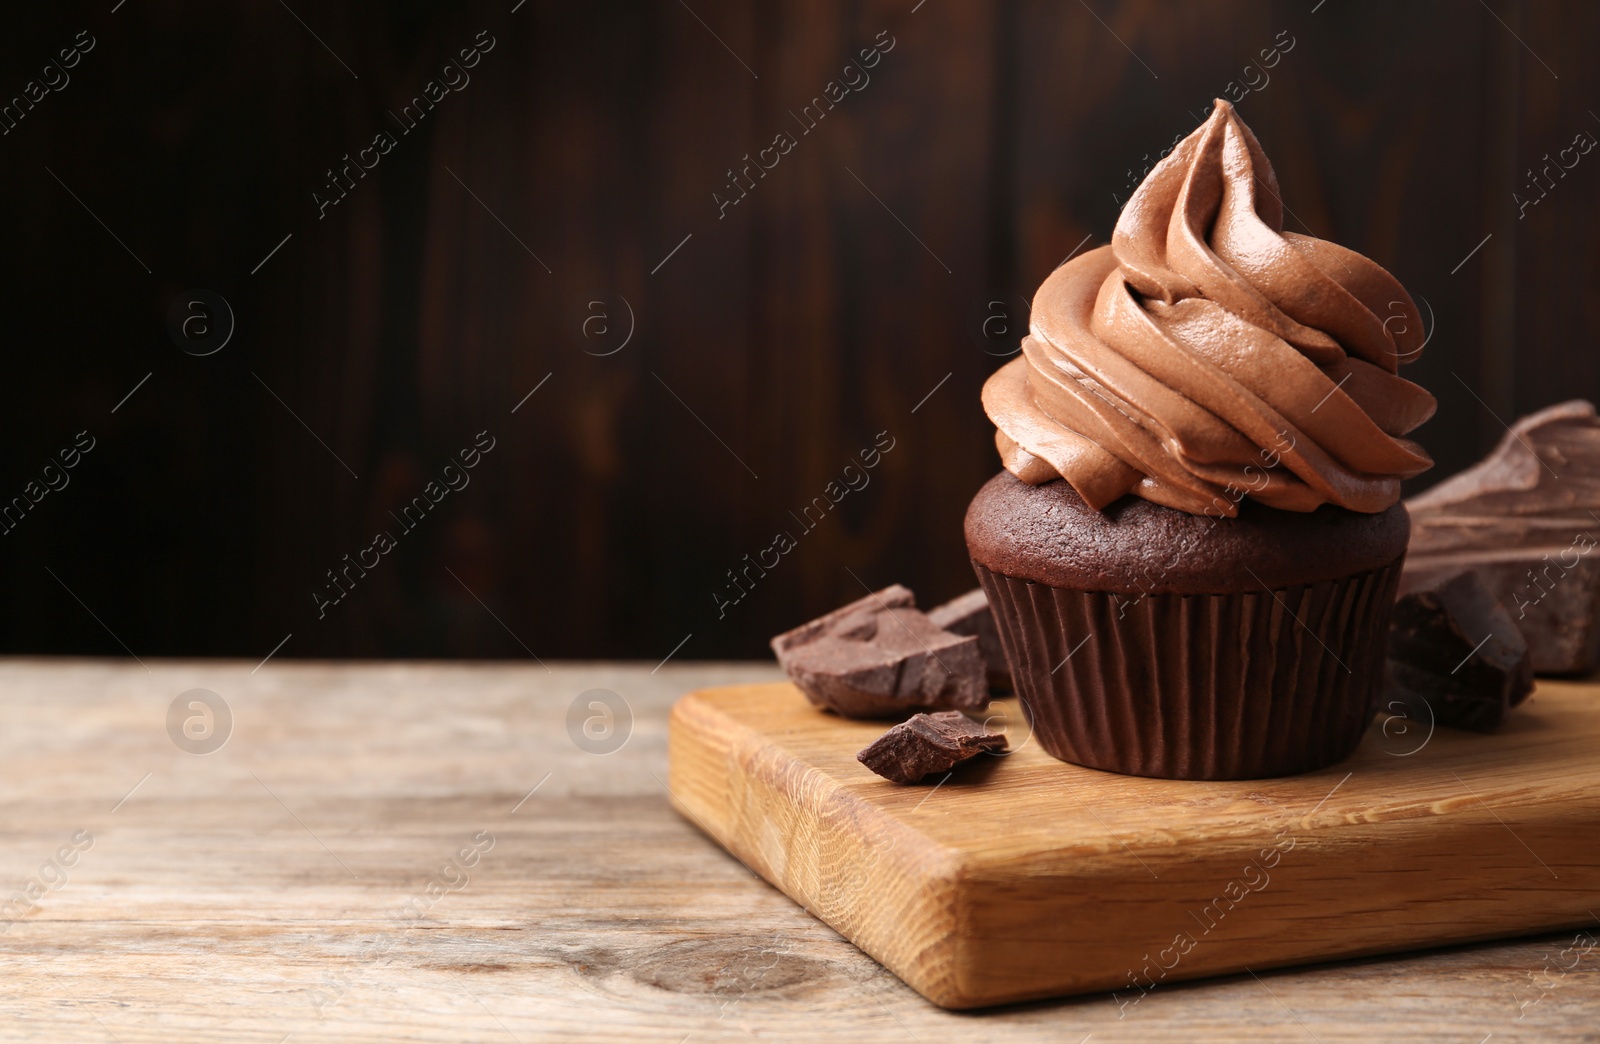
(207, 909)
(1024, 877)
(796, 326)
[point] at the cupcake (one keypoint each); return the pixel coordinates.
(1194, 546)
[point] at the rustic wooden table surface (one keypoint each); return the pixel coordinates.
(430, 852)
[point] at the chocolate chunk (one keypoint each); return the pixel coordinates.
(879, 658)
(1527, 519)
(1455, 656)
(928, 743)
(970, 614)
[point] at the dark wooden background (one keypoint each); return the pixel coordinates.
(771, 347)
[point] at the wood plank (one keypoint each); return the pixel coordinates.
(206, 909)
(1025, 877)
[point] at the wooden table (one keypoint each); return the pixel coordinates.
(423, 852)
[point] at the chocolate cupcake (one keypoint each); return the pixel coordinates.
(1195, 546)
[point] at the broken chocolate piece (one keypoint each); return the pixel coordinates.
(879, 657)
(928, 743)
(1455, 656)
(1527, 519)
(970, 614)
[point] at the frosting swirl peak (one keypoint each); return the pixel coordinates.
(1207, 354)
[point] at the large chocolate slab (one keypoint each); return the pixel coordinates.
(1455, 657)
(878, 657)
(1560, 620)
(1527, 520)
(970, 614)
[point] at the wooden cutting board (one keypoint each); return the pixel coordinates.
(1021, 877)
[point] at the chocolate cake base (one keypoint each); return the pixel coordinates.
(1134, 547)
(1235, 686)
(1150, 642)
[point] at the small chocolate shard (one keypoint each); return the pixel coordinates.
(928, 743)
(970, 614)
(878, 657)
(1455, 656)
(1527, 519)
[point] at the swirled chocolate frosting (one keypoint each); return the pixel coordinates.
(1207, 355)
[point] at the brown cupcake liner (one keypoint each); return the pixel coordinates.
(1184, 686)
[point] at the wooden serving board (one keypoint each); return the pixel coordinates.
(1021, 877)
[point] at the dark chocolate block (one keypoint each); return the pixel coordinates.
(1455, 656)
(879, 657)
(1527, 519)
(928, 743)
(970, 614)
